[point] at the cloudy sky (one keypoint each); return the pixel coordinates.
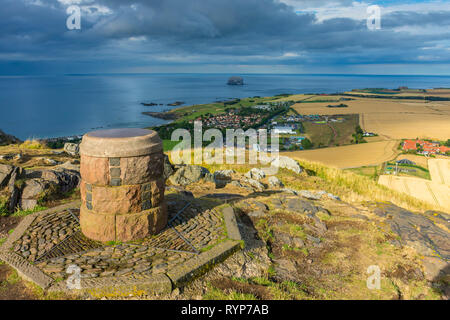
(224, 36)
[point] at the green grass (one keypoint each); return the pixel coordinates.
(372, 172)
(217, 294)
(321, 135)
(168, 145)
(419, 172)
(23, 213)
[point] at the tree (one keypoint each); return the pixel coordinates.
(307, 144)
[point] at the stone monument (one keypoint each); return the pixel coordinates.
(122, 187)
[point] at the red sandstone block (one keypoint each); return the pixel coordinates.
(116, 200)
(95, 170)
(97, 226)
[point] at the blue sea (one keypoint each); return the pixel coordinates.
(65, 105)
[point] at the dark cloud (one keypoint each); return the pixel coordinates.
(213, 31)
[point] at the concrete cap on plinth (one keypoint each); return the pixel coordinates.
(116, 143)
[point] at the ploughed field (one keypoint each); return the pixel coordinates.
(392, 119)
(350, 156)
(436, 191)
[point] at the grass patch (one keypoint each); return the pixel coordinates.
(23, 213)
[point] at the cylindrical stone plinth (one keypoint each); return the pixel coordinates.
(122, 185)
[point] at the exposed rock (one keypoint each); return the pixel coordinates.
(13, 190)
(301, 206)
(255, 173)
(72, 149)
(258, 186)
(168, 167)
(6, 139)
(235, 81)
(309, 195)
(33, 188)
(257, 214)
(286, 163)
(285, 270)
(416, 230)
(274, 182)
(190, 174)
(223, 177)
(5, 174)
(65, 180)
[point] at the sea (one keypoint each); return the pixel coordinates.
(67, 105)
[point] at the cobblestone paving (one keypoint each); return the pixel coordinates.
(53, 242)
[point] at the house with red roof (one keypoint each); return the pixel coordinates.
(425, 147)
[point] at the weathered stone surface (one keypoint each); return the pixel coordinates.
(258, 186)
(416, 230)
(66, 180)
(301, 206)
(231, 224)
(137, 170)
(96, 226)
(95, 170)
(274, 182)
(310, 195)
(255, 173)
(28, 204)
(222, 177)
(189, 174)
(72, 149)
(133, 226)
(157, 189)
(287, 163)
(168, 167)
(34, 188)
(116, 200)
(5, 173)
(160, 217)
(14, 192)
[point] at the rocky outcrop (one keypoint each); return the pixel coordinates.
(6, 139)
(286, 163)
(274, 182)
(188, 174)
(235, 81)
(72, 149)
(25, 188)
(423, 232)
(256, 173)
(222, 178)
(168, 167)
(162, 115)
(5, 174)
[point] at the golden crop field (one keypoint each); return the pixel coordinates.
(392, 119)
(429, 191)
(351, 156)
(440, 171)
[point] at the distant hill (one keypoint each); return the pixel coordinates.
(6, 139)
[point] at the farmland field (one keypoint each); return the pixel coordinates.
(331, 133)
(429, 191)
(351, 156)
(392, 119)
(440, 171)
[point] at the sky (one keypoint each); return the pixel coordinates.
(224, 36)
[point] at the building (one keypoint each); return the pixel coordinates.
(425, 147)
(283, 130)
